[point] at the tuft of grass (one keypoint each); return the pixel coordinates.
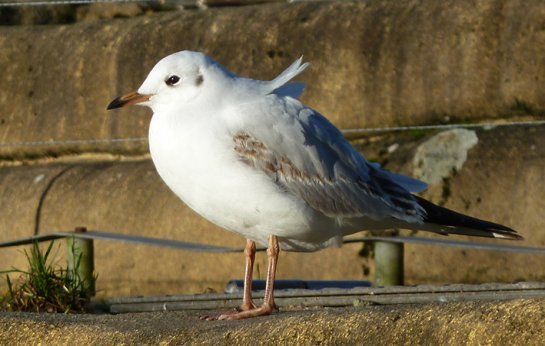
(45, 287)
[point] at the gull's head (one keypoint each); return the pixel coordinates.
(179, 78)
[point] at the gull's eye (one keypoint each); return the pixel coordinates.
(172, 80)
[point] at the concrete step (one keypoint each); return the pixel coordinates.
(511, 322)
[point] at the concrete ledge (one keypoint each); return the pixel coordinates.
(374, 63)
(516, 322)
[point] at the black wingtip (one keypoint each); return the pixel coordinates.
(451, 219)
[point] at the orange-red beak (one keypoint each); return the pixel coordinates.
(128, 100)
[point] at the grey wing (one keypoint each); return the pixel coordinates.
(307, 156)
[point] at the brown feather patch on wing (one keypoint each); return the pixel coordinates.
(336, 196)
(255, 154)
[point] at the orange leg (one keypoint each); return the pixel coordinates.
(268, 301)
(247, 302)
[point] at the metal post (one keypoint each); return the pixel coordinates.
(388, 263)
(82, 250)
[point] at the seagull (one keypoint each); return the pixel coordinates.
(250, 157)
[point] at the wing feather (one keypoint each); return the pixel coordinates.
(307, 156)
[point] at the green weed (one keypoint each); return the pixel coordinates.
(45, 287)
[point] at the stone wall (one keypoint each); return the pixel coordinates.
(374, 63)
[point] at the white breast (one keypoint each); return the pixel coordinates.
(197, 161)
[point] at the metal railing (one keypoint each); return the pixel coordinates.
(352, 132)
(388, 250)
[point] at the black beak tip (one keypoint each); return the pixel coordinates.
(117, 103)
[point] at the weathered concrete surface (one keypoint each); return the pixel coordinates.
(502, 180)
(69, 14)
(517, 322)
(374, 63)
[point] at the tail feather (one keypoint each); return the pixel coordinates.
(451, 222)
